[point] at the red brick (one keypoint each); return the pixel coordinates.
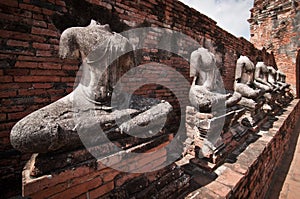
(69, 90)
(219, 189)
(31, 92)
(50, 66)
(54, 41)
(109, 174)
(26, 14)
(6, 79)
(6, 94)
(17, 116)
(56, 92)
(46, 193)
(68, 79)
(7, 126)
(41, 100)
(38, 16)
(15, 18)
(4, 143)
(42, 31)
(17, 72)
(55, 98)
(36, 79)
(44, 53)
(4, 133)
(125, 178)
(21, 64)
(21, 36)
(30, 7)
(42, 85)
(70, 67)
(47, 12)
(11, 3)
(230, 178)
(79, 189)
(15, 85)
(47, 73)
(17, 43)
(41, 46)
(102, 190)
(3, 117)
(52, 27)
(7, 109)
(60, 3)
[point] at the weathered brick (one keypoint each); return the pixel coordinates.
(17, 43)
(79, 189)
(36, 79)
(70, 67)
(43, 31)
(42, 85)
(38, 16)
(30, 7)
(3, 116)
(50, 66)
(31, 92)
(47, 73)
(11, 3)
(21, 36)
(102, 190)
(6, 79)
(17, 116)
(60, 3)
(25, 64)
(44, 53)
(5, 94)
(68, 79)
(41, 46)
(17, 72)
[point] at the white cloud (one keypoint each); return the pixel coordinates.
(231, 15)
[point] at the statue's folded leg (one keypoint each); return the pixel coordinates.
(246, 91)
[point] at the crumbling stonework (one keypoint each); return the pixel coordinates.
(275, 26)
(32, 75)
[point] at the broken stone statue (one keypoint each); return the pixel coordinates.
(106, 56)
(205, 92)
(211, 114)
(253, 99)
(261, 77)
(284, 88)
(281, 80)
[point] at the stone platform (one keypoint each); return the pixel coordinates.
(243, 174)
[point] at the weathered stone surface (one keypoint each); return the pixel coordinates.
(261, 77)
(205, 93)
(244, 78)
(63, 124)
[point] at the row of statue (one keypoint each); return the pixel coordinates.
(55, 127)
(258, 91)
(251, 81)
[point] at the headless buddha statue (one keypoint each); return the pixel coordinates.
(244, 78)
(106, 56)
(205, 92)
(281, 79)
(261, 77)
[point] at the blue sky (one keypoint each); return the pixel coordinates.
(231, 15)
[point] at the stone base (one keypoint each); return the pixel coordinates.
(246, 175)
(92, 179)
(209, 140)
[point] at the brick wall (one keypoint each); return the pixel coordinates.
(33, 76)
(274, 26)
(250, 174)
